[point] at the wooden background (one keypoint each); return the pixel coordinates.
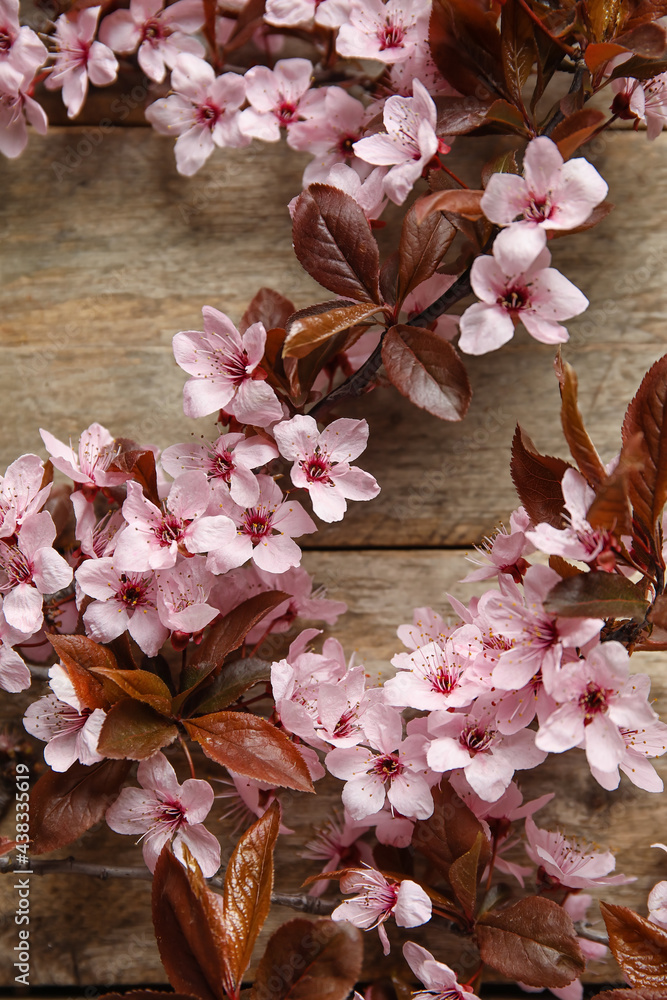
(106, 252)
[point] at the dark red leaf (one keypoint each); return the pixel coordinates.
(247, 899)
(459, 115)
(269, 308)
(63, 805)
(631, 994)
(503, 164)
(643, 11)
(505, 114)
(647, 416)
(142, 685)
(576, 129)
(533, 941)
(582, 449)
(465, 872)
(140, 464)
(450, 832)
(537, 479)
(79, 655)
(305, 332)
(598, 54)
(596, 595)
(253, 747)
(334, 243)
(134, 731)
(424, 242)
(639, 68)
(605, 18)
(307, 959)
(518, 48)
(427, 370)
(638, 945)
(465, 45)
(189, 928)
(234, 680)
(454, 200)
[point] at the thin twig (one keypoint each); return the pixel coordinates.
(577, 79)
(585, 930)
(70, 866)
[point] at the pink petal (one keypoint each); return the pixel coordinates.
(484, 328)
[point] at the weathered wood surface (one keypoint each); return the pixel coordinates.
(87, 931)
(107, 252)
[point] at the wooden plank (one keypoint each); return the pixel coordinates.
(86, 931)
(106, 252)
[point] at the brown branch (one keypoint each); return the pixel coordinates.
(70, 866)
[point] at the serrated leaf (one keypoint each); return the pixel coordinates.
(427, 370)
(596, 595)
(307, 329)
(63, 805)
(189, 929)
(647, 416)
(537, 479)
(334, 243)
(638, 945)
(465, 203)
(503, 164)
(134, 731)
(269, 308)
(424, 242)
(252, 746)
(533, 941)
(576, 129)
(79, 655)
(630, 994)
(450, 832)
(235, 679)
(247, 898)
(307, 959)
(465, 46)
(142, 685)
(518, 48)
(223, 638)
(459, 115)
(581, 447)
(639, 68)
(465, 872)
(643, 11)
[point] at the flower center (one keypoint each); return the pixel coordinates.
(15, 564)
(514, 299)
(390, 35)
(5, 41)
(208, 115)
(154, 32)
(387, 767)
(317, 468)
(257, 524)
(593, 702)
(287, 112)
(169, 530)
(132, 591)
(221, 465)
(475, 739)
(345, 144)
(539, 209)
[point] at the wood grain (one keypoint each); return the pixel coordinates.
(106, 252)
(88, 931)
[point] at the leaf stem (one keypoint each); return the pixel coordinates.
(542, 26)
(186, 751)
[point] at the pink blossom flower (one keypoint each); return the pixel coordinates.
(297, 680)
(164, 811)
(640, 744)
(69, 728)
(537, 638)
(551, 194)
(97, 538)
(329, 132)
(597, 699)
(643, 100)
(29, 569)
(17, 109)
(388, 31)
(473, 742)
(203, 111)
(230, 460)
(264, 533)
(183, 596)
(154, 537)
(504, 552)
(517, 283)
(80, 58)
(577, 867)
(578, 540)
(657, 902)
(123, 601)
(21, 492)
(427, 626)
(394, 772)
(438, 675)
(322, 462)
(225, 369)
(440, 981)
(409, 142)
(378, 898)
(21, 50)
(90, 467)
(278, 98)
(160, 32)
(297, 13)
(14, 674)
(240, 584)
(338, 844)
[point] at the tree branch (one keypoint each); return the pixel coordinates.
(70, 866)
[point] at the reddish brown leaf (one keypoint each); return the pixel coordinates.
(639, 68)
(140, 464)
(503, 164)
(598, 54)
(596, 595)
(134, 731)
(643, 11)
(234, 680)
(6, 846)
(631, 995)
(427, 370)
(189, 928)
(307, 959)
(518, 48)
(507, 116)
(465, 45)
(533, 941)
(638, 945)
(537, 479)
(305, 332)
(249, 20)
(223, 638)
(599, 213)
(582, 449)
(647, 416)
(454, 200)
(424, 242)
(269, 308)
(450, 832)
(142, 685)
(459, 115)
(605, 18)
(575, 130)
(253, 747)
(465, 872)
(247, 899)
(334, 243)
(63, 805)
(79, 655)
(564, 568)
